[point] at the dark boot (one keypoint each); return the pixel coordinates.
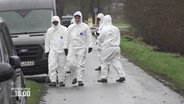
(102, 80)
(98, 69)
(53, 84)
(74, 81)
(81, 83)
(122, 79)
(62, 84)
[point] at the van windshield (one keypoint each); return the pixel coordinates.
(27, 21)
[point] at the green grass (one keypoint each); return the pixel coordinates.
(37, 90)
(165, 65)
(121, 24)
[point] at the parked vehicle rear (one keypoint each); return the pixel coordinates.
(28, 21)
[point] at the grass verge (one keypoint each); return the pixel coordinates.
(37, 90)
(121, 24)
(164, 66)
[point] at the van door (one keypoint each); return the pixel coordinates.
(4, 48)
(5, 90)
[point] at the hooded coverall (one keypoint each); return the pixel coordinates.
(101, 24)
(55, 43)
(110, 41)
(80, 39)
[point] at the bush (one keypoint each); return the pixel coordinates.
(159, 22)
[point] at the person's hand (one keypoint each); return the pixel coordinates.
(47, 54)
(90, 50)
(66, 51)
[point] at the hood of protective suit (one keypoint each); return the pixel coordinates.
(101, 22)
(77, 13)
(108, 20)
(72, 21)
(56, 18)
(101, 16)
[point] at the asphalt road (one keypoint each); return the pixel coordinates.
(139, 88)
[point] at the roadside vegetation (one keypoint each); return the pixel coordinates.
(158, 22)
(37, 90)
(167, 67)
(121, 24)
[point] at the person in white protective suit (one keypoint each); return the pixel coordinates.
(80, 43)
(110, 41)
(100, 18)
(69, 57)
(56, 50)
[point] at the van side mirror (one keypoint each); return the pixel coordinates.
(6, 72)
(15, 62)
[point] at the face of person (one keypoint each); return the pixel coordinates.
(98, 19)
(77, 19)
(55, 23)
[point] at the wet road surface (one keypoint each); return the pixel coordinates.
(139, 88)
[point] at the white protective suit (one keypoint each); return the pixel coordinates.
(110, 41)
(72, 21)
(101, 24)
(80, 39)
(55, 43)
